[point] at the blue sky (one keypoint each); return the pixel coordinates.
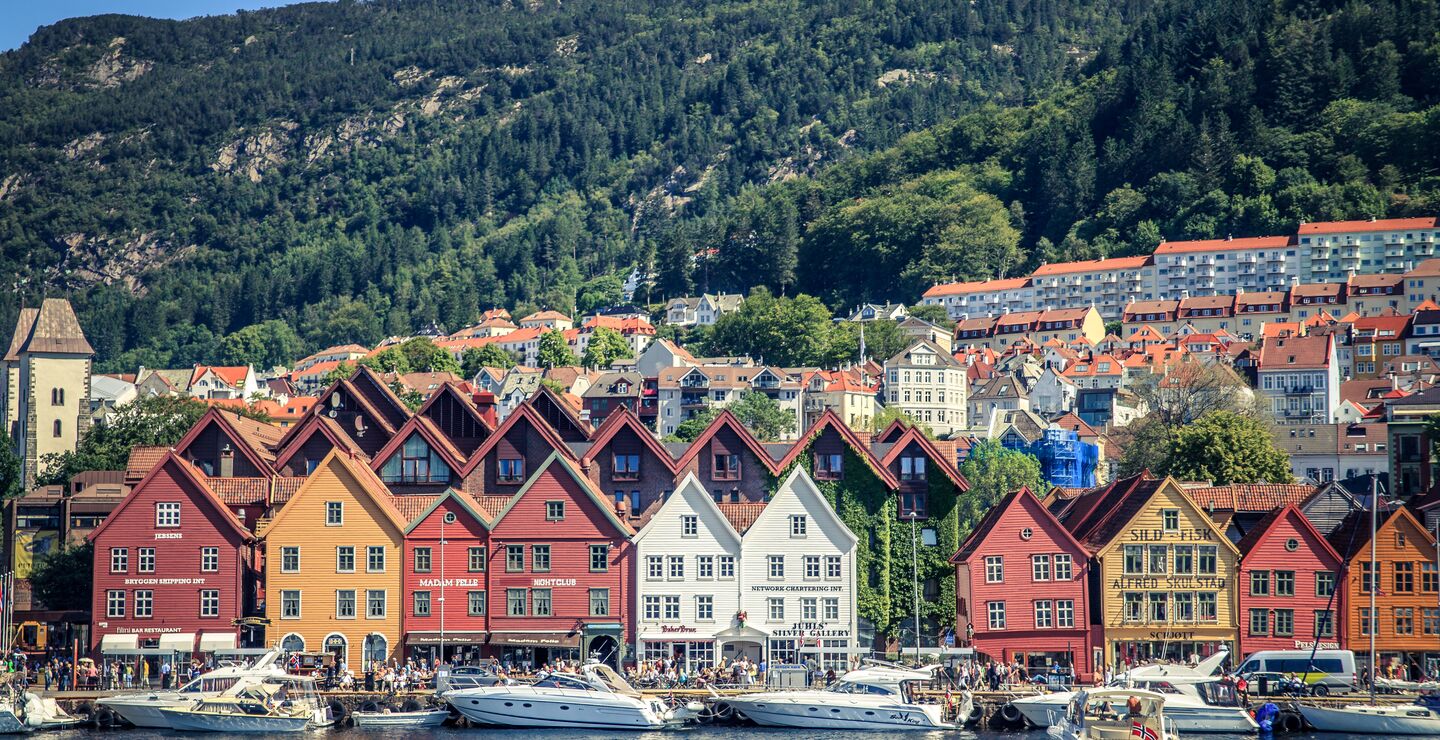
(20, 18)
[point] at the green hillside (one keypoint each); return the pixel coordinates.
(358, 169)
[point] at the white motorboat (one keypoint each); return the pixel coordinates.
(255, 708)
(421, 718)
(142, 708)
(870, 698)
(595, 698)
(1420, 718)
(1106, 714)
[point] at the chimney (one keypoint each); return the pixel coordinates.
(227, 461)
(485, 403)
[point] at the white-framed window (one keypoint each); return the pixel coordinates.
(705, 566)
(705, 608)
(375, 599)
(1064, 567)
(345, 559)
(290, 559)
(798, 525)
(119, 559)
(995, 612)
(689, 525)
(1040, 567)
(145, 560)
(670, 605)
(832, 567)
(651, 606)
(144, 604)
(375, 559)
(209, 559)
(290, 604)
(115, 604)
(1065, 613)
(209, 602)
(1044, 614)
(654, 567)
(994, 568)
(345, 604)
(775, 609)
(167, 514)
(830, 609)
(809, 609)
(334, 513)
(777, 566)
(677, 567)
(812, 567)
(727, 566)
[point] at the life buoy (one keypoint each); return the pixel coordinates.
(1011, 713)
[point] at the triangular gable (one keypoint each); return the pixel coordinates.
(568, 467)
(366, 482)
(1200, 513)
(1262, 532)
(624, 418)
(727, 420)
(214, 416)
(690, 485)
(799, 484)
(393, 411)
(470, 505)
(567, 419)
(449, 390)
(322, 405)
(434, 439)
(894, 431)
(185, 474)
(916, 436)
(528, 414)
(828, 420)
(312, 425)
(1022, 496)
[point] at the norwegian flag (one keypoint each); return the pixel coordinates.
(1140, 731)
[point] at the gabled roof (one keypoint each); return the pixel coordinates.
(143, 459)
(624, 418)
(1352, 535)
(828, 420)
(1250, 497)
(470, 505)
(311, 425)
(546, 394)
(522, 412)
(368, 483)
(391, 410)
(727, 420)
(946, 466)
(23, 324)
(1262, 529)
(895, 430)
(568, 467)
(186, 474)
(434, 438)
(1024, 497)
(741, 514)
(50, 328)
(256, 439)
(676, 499)
(233, 376)
(796, 482)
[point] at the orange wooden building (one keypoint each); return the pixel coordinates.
(1407, 601)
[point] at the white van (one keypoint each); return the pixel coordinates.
(1331, 669)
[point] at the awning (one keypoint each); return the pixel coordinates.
(451, 638)
(177, 642)
(213, 641)
(113, 643)
(538, 639)
(604, 628)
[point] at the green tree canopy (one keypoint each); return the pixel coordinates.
(488, 355)
(63, 580)
(265, 345)
(11, 486)
(883, 340)
(933, 313)
(690, 429)
(1225, 447)
(993, 472)
(154, 420)
(606, 346)
(555, 351)
(606, 290)
(763, 416)
(779, 331)
(424, 356)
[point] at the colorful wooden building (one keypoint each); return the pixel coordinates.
(728, 460)
(561, 585)
(446, 579)
(333, 580)
(1406, 620)
(627, 463)
(1288, 598)
(1022, 588)
(171, 569)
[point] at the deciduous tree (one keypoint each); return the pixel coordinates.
(554, 350)
(606, 346)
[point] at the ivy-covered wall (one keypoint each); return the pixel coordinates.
(943, 508)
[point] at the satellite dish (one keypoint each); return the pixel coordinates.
(333, 413)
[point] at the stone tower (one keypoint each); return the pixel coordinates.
(47, 384)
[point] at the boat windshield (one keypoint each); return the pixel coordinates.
(563, 681)
(850, 687)
(612, 680)
(208, 685)
(1219, 694)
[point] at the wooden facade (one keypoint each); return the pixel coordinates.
(729, 462)
(446, 559)
(515, 451)
(628, 465)
(170, 561)
(1288, 595)
(1407, 616)
(333, 570)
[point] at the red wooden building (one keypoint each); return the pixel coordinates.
(446, 559)
(1288, 574)
(1020, 586)
(628, 465)
(172, 568)
(728, 460)
(560, 572)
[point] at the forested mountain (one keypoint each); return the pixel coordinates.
(358, 169)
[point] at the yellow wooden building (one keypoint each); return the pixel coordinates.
(1166, 572)
(333, 566)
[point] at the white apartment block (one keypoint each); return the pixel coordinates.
(686, 391)
(929, 385)
(1335, 251)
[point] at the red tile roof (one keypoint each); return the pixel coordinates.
(1388, 224)
(240, 491)
(1223, 245)
(1112, 263)
(979, 286)
(742, 515)
(233, 376)
(142, 459)
(1250, 497)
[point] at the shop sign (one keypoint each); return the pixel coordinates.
(678, 628)
(449, 582)
(1181, 636)
(169, 536)
(1184, 583)
(145, 630)
(543, 582)
(164, 581)
(1182, 535)
(1310, 645)
(797, 587)
(812, 630)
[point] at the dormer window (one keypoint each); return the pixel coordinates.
(725, 467)
(627, 467)
(829, 466)
(912, 468)
(510, 470)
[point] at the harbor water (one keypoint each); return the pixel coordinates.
(692, 733)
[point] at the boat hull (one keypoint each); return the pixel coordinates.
(1360, 722)
(187, 721)
(782, 712)
(1048, 710)
(516, 709)
(400, 719)
(143, 710)
(10, 724)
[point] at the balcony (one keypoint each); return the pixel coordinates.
(1424, 249)
(814, 404)
(1301, 390)
(1247, 259)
